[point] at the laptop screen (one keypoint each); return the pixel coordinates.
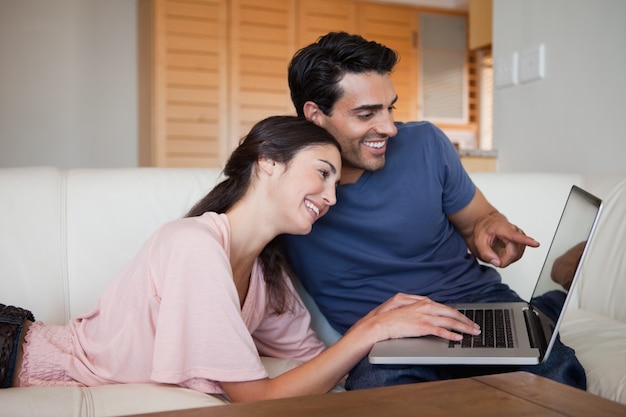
(569, 243)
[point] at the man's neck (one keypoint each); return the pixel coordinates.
(350, 175)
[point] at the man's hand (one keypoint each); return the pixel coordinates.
(499, 242)
(488, 234)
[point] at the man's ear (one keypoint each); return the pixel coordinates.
(313, 113)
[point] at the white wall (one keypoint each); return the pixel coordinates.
(573, 119)
(68, 89)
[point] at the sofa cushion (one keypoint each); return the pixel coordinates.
(117, 399)
(600, 344)
(101, 401)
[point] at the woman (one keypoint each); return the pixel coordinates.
(209, 293)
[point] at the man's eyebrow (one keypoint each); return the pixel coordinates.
(373, 106)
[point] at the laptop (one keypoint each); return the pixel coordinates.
(514, 333)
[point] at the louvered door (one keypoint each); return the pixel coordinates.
(186, 120)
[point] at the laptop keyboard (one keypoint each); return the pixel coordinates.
(495, 325)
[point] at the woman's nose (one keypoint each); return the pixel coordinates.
(330, 195)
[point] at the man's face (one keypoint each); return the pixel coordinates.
(362, 122)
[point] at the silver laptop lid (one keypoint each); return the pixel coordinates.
(562, 265)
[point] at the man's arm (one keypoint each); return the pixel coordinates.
(564, 266)
(488, 233)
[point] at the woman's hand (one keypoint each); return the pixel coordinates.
(406, 315)
(403, 315)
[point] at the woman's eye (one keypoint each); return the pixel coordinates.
(324, 173)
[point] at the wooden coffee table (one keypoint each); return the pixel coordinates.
(513, 394)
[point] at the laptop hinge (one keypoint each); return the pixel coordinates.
(535, 331)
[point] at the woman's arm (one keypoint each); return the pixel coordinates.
(402, 316)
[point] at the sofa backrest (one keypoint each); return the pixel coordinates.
(534, 202)
(32, 274)
(112, 212)
(64, 234)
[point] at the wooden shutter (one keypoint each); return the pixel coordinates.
(262, 42)
(188, 84)
(396, 27)
(316, 18)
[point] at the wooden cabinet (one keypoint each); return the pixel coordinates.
(480, 23)
(183, 83)
(392, 25)
(210, 69)
(316, 18)
(262, 41)
(396, 27)
(479, 163)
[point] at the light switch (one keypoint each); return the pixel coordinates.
(532, 65)
(505, 70)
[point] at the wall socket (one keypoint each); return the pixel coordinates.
(505, 70)
(532, 66)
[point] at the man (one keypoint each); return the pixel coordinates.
(408, 217)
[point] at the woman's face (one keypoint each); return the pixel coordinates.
(307, 187)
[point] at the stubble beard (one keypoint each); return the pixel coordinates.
(358, 159)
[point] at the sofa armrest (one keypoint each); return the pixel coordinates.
(600, 345)
(602, 285)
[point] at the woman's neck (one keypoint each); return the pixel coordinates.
(249, 234)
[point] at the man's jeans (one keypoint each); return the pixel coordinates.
(561, 366)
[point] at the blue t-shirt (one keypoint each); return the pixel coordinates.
(389, 233)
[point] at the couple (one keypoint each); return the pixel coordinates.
(209, 293)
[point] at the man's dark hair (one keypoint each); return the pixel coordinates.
(316, 69)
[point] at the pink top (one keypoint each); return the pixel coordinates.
(172, 315)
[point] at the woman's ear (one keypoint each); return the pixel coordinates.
(312, 113)
(267, 165)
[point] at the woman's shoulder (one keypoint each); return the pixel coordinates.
(208, 226)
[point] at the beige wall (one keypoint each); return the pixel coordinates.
(68, 88)
(572, 120)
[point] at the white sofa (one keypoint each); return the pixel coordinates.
(65, 233)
